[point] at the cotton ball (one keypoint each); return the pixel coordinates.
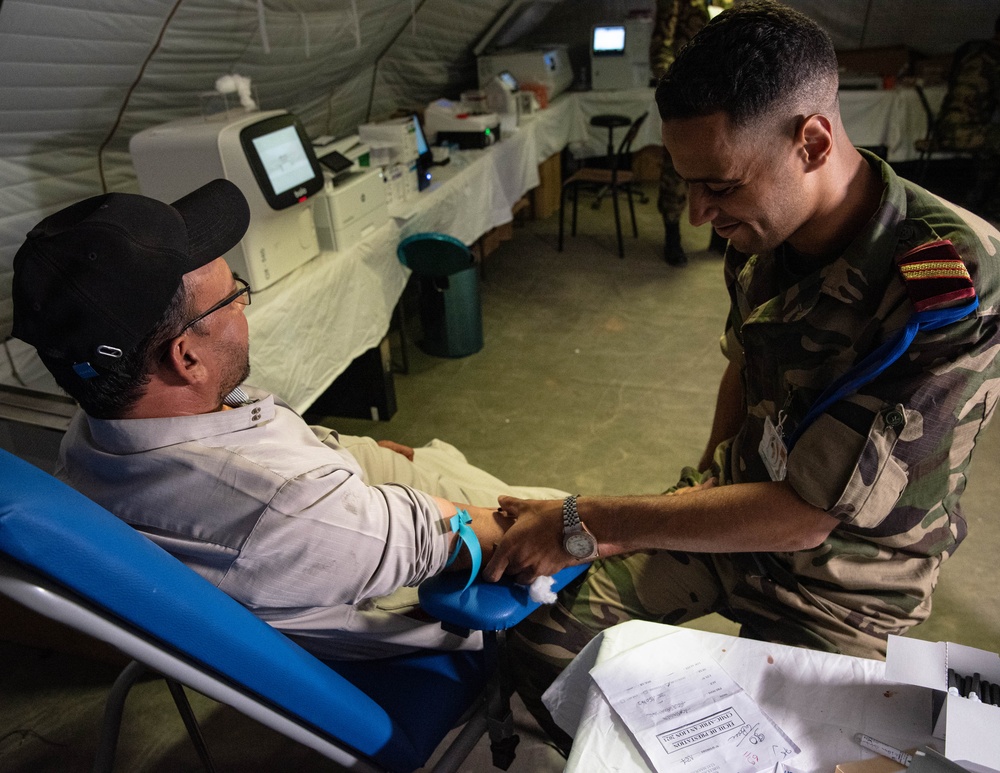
(225, 84)
(540, 590)
(238, 84)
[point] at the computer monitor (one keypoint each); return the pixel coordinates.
(267, 156)
(608, 40)
(425, 159)
(508, 80)
(281, 158)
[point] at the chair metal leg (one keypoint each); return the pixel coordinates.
(190, 722)
(631, 209)
(499, 717)
(562, 213)
(618, 221)
(114, 707)
(467, 739)
(576, 198)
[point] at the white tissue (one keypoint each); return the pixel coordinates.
(540, 590)
(238, 84)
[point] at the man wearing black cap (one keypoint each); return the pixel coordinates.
(137, 317)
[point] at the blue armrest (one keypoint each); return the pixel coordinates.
(485, 606)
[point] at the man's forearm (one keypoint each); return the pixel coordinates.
(747, 517)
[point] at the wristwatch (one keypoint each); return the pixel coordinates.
(577, 539)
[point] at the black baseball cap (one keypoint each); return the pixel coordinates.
(92, 280)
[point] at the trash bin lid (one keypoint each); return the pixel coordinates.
(434, 254)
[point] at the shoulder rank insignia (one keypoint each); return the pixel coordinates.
(936, 276)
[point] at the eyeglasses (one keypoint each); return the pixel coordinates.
(241, 295)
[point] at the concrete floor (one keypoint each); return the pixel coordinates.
(598, 375)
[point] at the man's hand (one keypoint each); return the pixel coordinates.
(533, 545)
(399, 448)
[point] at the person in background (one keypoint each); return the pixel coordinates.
(968, 121)
(827, 496)
(323, 536)
(676, 22)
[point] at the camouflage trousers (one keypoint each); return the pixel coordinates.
(984, 138)
(673, 587)
(672, 193)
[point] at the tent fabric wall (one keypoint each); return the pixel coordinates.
(78, 78)
(74, 79)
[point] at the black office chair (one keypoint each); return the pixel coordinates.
(616, 177)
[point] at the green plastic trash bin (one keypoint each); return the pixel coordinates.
(450, 311)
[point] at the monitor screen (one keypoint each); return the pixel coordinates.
(282, 160)
(609, 41)
(508, 80)
(422, 146)
(425, 159)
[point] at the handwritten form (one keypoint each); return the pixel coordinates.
(686, 713)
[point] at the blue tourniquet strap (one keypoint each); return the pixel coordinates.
(460, 523)
(880, 359)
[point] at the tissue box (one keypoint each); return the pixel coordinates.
(969, 728)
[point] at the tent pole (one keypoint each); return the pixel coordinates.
(864, 25)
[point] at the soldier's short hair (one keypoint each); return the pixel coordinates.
(752, 62)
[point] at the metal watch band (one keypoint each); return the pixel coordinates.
(570, 515)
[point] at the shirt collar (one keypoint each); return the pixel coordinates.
(136, 435)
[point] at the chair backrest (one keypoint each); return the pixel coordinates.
(434, 254)
(63, 537)
(625, 147)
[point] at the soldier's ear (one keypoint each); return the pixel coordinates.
(814, 140)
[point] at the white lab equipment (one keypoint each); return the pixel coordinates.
(267, 156)
(446, 123)
(549, 66)
(619, 54)
(391, 142)
(501, 98)
(350, 208)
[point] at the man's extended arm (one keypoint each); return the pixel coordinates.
(746, 517)
(488, 525)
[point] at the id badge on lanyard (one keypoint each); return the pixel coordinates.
(773, 451)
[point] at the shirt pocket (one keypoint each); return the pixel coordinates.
(847, 471)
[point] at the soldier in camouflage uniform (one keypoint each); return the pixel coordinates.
(677, 21)
(967, 119)
(830, 256)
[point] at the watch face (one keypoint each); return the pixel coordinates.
(580, 545)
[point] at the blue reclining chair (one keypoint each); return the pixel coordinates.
(70, 560)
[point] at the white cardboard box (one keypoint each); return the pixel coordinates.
(971, 730)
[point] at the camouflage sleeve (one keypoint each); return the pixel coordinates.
(676, 22)
(889, 458)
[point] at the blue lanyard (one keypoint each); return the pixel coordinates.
(880, 359)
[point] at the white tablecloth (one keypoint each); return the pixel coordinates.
(819, 700)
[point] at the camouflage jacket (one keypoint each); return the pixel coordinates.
(972, 99)
(676, 22)
(889, 460)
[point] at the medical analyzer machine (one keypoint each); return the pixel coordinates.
(267, 155)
